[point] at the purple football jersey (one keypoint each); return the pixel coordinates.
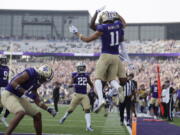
(112, 37)
(154, 91)
(31, 84)
(80, 82)
(4, 75)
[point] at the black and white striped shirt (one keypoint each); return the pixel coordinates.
(130, 87)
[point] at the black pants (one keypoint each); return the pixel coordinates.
(168, 108)
(56, 100)
(125, 105)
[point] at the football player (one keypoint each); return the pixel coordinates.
(142, 94)
(80, 79)
(26, 83)
(113, 18)
(116, 17)
(154, 104)
(111, 33)
(4, 76)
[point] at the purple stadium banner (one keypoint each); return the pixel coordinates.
(47, 54)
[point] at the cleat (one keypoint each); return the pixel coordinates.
(89, 129)
(61, 121)
(101, 104)
(128, 123)
(122, 123)
(4, 122)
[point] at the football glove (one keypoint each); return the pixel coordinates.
(73, 29)
(51, 111)
(100, 9)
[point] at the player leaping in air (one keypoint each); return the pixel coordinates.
(111, 34)
(26, 83)
(121, 74)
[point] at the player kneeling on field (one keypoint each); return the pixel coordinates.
(26, 83)
(79, 81)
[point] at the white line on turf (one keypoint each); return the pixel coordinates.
(112, 125)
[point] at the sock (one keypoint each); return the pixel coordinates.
(88, 119)
(66, 115)
(115, 84)
(6, 113)
(98, 87)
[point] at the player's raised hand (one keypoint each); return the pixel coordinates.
(52, 111)
(73, 29)
(100, 9)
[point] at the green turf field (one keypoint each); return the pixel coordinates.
(176, 121)
(75, 124)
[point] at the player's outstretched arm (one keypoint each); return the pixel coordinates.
(93, 20)
(42, 105)
(94, 36)
(90, 83)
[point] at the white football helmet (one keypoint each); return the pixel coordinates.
(45, 72)
(115, 15)
(105, 16)
(81, 67)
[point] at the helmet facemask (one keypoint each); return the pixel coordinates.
(81, 67)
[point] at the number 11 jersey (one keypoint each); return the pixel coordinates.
(112, 37)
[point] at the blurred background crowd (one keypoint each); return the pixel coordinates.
(76, 46)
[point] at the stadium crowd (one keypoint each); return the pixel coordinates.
(145, 73)
(76, 46)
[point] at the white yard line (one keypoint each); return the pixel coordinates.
(112, 125)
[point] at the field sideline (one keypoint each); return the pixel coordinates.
(74, 125)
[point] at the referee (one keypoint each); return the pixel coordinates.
(129, 91)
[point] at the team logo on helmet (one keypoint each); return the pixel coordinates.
(45, 72)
